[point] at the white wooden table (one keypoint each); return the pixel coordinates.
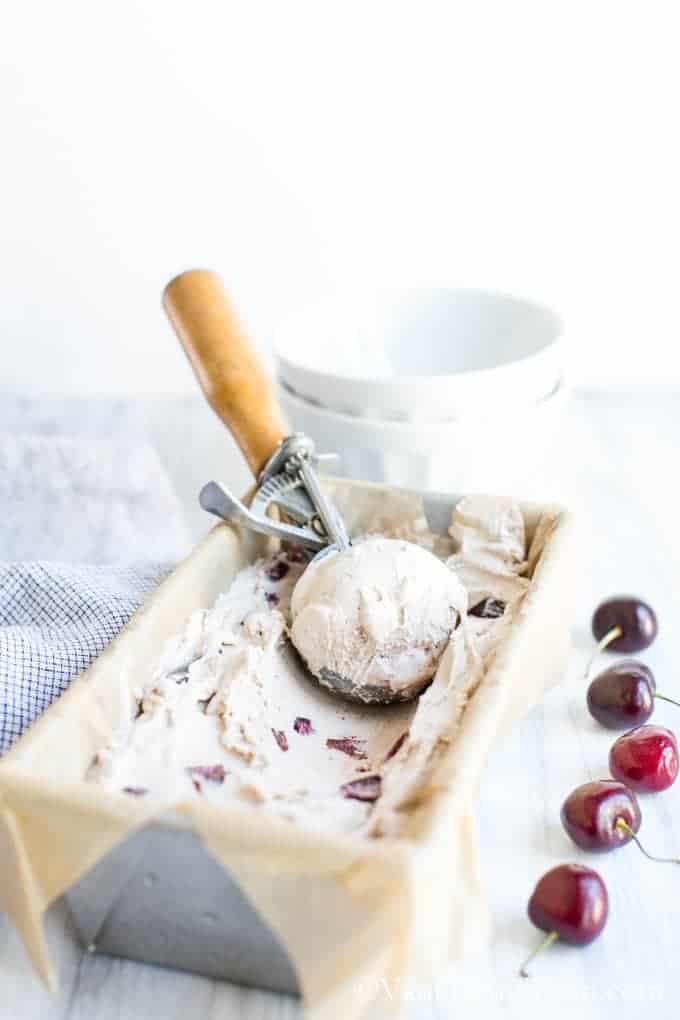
(617, 463)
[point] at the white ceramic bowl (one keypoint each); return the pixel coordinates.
(495, 453)
(421, 355)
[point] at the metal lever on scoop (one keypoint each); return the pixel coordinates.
(330, 518)
(217, 500)
(294, 458)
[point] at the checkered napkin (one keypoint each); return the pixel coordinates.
(107, 502)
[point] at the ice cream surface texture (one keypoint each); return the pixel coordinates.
(230, 713)
(375, 618)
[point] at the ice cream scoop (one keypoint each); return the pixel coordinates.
(372, 621)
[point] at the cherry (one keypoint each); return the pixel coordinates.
(623, 695)
(604, 815)
(646, 759)
(570, 902)
(592, 814)
(624, 624)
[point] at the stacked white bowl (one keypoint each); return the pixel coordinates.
(430, 389)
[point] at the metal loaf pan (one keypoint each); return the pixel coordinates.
(161, 898)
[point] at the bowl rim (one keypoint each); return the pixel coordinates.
(555, 321)
(361, 421)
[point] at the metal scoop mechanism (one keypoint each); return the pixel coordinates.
(289, 482)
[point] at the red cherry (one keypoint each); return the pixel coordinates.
(646, 759)
(570, 902)
(602, 815)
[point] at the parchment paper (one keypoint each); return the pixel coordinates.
(375, 911)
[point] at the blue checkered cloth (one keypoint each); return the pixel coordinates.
(54, 620)
(88, 528)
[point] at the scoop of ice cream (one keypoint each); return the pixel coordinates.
(373, 620)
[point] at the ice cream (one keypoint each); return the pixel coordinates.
(374, 619)
(488, 532)
(230, 714)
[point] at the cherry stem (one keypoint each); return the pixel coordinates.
(551, 937)
(611, 635)
(663, 697)
(625, 827)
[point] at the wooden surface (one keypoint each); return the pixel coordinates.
(616, 461)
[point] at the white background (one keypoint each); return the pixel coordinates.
(293, 146)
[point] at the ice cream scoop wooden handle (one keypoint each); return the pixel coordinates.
(228, 368)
